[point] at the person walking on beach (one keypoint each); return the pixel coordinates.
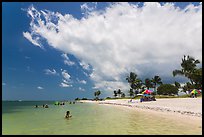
(192, 95)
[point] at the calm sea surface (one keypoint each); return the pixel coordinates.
(87, 119)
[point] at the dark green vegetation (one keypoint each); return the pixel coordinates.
(190, 70)
(167, 89)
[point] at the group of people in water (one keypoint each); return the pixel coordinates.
(63, 103)
(67, 115)
(44, 106)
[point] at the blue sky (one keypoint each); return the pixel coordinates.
(67, 65)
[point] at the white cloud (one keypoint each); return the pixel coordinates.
(81, 89)
(67, 61)
(112, 85)
(84, 65)
(66, 75)
(66, 79)
(34, 41)
(50, 72)
(81, 81)
(3, 84)
(40, 87)
(26, 57)
(149, 40)
(85, 74)
(64, 85)
(87, 8)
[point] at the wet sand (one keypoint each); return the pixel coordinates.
(188, 110)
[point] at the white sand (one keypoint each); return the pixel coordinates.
(184, 106)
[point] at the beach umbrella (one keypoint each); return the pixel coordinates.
(194, 91)
(148, 91)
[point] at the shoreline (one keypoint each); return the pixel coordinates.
(183, 106)
(187, 111)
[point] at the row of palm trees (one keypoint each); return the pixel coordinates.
(118, 93)
(188, 69)
(136, 83)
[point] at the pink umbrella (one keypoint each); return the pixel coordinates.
(148, 91)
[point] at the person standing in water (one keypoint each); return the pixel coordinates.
(68, 114)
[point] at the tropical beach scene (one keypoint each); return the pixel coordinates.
(101, 68)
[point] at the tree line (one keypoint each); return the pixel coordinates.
(189, 69)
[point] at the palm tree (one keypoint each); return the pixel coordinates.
(178, 85)
(97, 93)
(115, 93)
(148, 83)
(131, 93)
(188, 86)
(135, 83)
(139, 84)
(131, 79)
(156, 80)
(122, 95)
(119, 92)
(197, 78)
(189, 70)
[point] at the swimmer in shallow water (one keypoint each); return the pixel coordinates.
(68, 115)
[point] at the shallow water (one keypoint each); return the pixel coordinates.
(87, 118)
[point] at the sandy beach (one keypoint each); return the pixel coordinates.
(181, 109)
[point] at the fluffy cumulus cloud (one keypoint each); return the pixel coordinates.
(149, 40)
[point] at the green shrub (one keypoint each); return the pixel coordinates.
(167, 89)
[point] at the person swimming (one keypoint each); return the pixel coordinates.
(68, 115)
(46, 106)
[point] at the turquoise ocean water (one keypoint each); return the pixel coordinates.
(87, 119)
